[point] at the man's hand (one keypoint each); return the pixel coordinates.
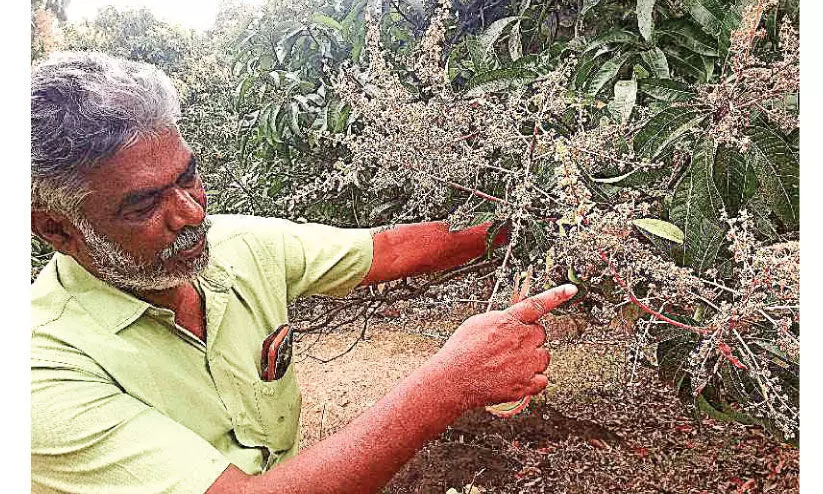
(499, 356)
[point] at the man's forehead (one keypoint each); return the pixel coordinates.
(150, 162)
(148, 158)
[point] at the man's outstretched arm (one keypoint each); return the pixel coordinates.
(407, 250)
(492, 358)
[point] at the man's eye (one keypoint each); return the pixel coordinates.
(188, 179)
(142, 209)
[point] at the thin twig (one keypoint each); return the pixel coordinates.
(322, 417)
(722, 287)
(360, 337)
(499, 278)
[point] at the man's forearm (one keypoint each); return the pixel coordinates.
(365, 454)
(408, 250)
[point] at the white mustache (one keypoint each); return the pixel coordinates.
(186, 239)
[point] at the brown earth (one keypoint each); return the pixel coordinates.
(588, 432)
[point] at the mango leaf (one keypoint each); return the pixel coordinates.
(538, 233)
(763, 225)
(266, 122)
(285, 45)
(498, 80)
(325, 20)
(666, 89)
(588, 62)
(572, 276)
(695, 207)
(735, 384)
(660, 228)
(625, 96)
(688, 35)
(711, 410)
(515, 44)
(645, 23)
(715, 406)
(696, 193)
(614, 36)
(685, 63)
(338, 116)
(740, 388)
(664, 129)
(735, 178)
(493, 32)
(384, 210)
(708, 67)
(476, 55)
(241, 90)
(294, 123)
(703, 246)
(607, 72)
(708, 13)
(778, 172)
(775, 351)
(529, 61)
(656, 61)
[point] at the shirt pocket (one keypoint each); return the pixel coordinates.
(272, 414)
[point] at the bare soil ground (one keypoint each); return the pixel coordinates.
(588, 432)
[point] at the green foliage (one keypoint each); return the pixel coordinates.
(695, 206)
(134, 35)
(498, 80)
(778, 172)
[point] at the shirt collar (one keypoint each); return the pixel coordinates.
(115, 309)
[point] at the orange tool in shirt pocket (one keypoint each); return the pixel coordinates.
(275, 355)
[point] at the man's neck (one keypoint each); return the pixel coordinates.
(173, 298)
(186, 303)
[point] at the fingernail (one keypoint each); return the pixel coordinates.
(569, 290)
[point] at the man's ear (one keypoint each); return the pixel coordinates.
(57, 230)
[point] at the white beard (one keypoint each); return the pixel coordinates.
(119, 268)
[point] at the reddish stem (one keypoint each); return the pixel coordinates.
(465, 137)
(645, 308)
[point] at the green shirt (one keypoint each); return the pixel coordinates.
(125, 400)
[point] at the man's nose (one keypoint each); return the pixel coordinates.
(184, 210)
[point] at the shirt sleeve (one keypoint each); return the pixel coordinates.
(88, 436)
(318, 259)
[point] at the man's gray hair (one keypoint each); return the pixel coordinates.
(85, 107)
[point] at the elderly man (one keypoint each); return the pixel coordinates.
(148, 323)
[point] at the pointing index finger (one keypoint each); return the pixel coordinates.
(531, 309)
